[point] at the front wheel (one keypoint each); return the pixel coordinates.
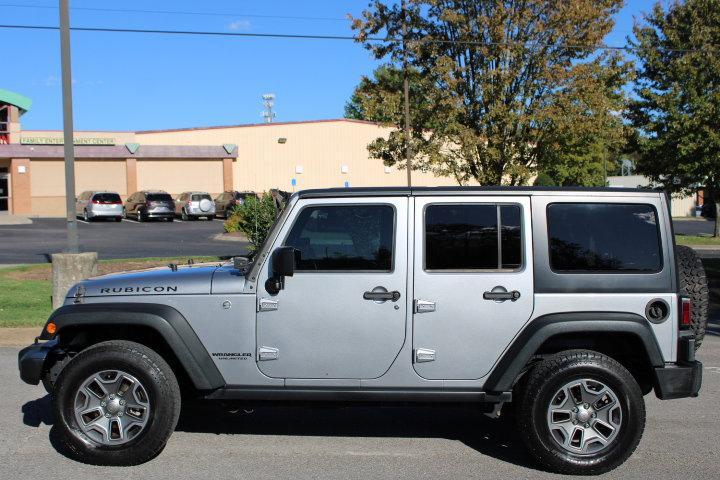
(580, 412)
(117, 403)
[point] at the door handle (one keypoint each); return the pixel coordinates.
(498, 295)
(381, 296)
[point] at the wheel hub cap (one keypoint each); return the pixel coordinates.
(112, 407)
(584, 416)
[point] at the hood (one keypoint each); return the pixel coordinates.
(186, 280)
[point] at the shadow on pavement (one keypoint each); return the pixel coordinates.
(494, 438)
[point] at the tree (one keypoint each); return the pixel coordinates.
(677, 110)
(254, 217)
(506, 87)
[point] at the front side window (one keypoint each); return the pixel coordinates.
(343, 237)
(603, 237)
(473, 237)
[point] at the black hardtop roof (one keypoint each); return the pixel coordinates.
(453, 190)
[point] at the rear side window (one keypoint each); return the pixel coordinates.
(159, 197)
(596, 237)
(344, 238)
(106, 198)
(198, 197)
(473, 237)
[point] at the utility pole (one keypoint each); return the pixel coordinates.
(406, 94)
(69, 147)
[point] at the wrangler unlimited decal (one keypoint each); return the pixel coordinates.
(158, 289)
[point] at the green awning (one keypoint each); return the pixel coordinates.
(12, 98)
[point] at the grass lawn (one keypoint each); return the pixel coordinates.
(25, 292)
(697, 240)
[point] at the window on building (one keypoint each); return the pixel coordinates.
(344, 237)
(597, 237)
(467, 237)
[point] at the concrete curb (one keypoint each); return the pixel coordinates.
(18, 336)
(14, 220)
(230, 237)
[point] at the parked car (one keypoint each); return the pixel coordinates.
(97, 204)
(227, 200)
(567, 306)
(149, 204)
(194, 205)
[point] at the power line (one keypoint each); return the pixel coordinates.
(348, 37)
(177, 12)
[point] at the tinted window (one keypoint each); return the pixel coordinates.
(106, 197)
(466, 237)
(353, 237)
(198, 197)
(603, 237)
(159, 197)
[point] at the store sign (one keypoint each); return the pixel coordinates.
(59, 141)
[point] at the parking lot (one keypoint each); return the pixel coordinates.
(355, 442)
(128, 239)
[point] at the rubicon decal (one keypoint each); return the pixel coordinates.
(146, 289)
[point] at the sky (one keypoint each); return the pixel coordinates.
(144, 81)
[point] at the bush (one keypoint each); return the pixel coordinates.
(253, 218)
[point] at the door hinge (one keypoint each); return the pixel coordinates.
(423, 306)
(268, 353)
(267, 305)
(423, 355)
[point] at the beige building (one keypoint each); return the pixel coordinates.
(290, 156)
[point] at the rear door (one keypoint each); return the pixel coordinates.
(473, 282)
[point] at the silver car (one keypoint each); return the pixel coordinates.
(94, 204)
(193, 205)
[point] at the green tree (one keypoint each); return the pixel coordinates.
(505, 89)
(677, 110)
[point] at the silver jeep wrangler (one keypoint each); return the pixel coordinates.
(558, 308)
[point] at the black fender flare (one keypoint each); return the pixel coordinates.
(170, 324)
(539, 330)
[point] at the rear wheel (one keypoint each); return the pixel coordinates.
(86, 217)
(184, 215)
(117, 403)
(118, 219)
(581, 413)
(140, 216)
(693, 283)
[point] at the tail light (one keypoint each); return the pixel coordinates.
(685, 312)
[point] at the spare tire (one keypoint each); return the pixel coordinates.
(205, 205)
(693, 283)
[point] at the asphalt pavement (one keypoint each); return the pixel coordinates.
(680, 440)
(127, 239)
(693, 226)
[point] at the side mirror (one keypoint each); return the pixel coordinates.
(282, 265)
(283, 262)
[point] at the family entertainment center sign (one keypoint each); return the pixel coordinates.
(59, 141)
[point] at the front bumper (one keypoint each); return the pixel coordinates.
(31, 361)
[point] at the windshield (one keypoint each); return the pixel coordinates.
(159, 197)
(106, 198)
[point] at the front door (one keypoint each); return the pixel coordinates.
(4, 190)
(473, 282)
(342, 315)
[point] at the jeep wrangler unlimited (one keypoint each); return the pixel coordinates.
(563, 307)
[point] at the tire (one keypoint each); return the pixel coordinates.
(693, 283)
(184, 215)
(170, 219)
(540, 400)
(130, 364)
(85, 216)
(118, 219)
(140, 216)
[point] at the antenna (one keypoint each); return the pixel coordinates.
(268, 102)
